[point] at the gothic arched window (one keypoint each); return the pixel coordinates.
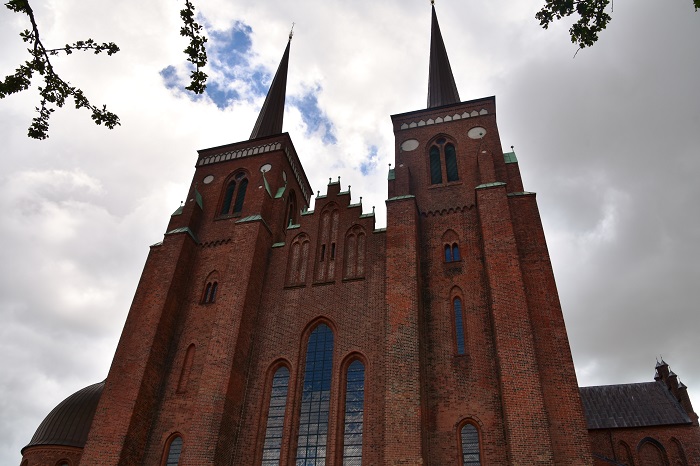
(316, 397)
(439, 151)
(469, 439)
(174, 451)
(450, 241)
(354, 414)
(292, 210)
(234, 190)
(275, 418)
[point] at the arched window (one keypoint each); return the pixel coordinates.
(275, 418)
(60, 463)
(625, 454)
(455, 252)
(450, 241)
(235, 189)
(680, 457)
(469, 437)
(186, 369)
(315, 398)
(354, 414)
(174, 450)
(210, 292)
(441, 148)
(459, 325)
(651, 453)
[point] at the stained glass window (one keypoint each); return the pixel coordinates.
(315, 399)
(354, 413)
(275, 418)
(174, 452)
(470, 446)
(459, 325)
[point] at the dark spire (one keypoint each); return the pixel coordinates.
(272, 112)
(442, 89)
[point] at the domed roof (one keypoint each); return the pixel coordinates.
(69, 422)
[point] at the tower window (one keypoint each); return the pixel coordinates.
(275, 418)
(469, 437)
(235, 190)
(210, 292)
(452, 253)
(173, 458)
(316, 398)
(459, 325)
(441, 150)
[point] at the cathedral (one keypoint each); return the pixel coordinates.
(265, 333)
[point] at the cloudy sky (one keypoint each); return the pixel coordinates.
(610, 141)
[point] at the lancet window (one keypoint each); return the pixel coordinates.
(186, 369)
(275, 418)
(440, 151)
(459, 325)
(235, 194)
(315, 398)
(354, 414)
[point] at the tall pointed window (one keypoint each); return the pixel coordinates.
(174, 451)
(235, 190)
(275, 418)
(186, 369)
(354, 414)
(355, 253)
(459, 325)
(298, 260)
(439, 151)
(315, 398)
(328, 237)
(469, 437)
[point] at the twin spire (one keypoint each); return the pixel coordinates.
(442, 89)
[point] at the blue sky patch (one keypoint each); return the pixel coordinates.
(370, 163)
(314, 118)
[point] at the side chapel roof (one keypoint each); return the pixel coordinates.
(631, 405)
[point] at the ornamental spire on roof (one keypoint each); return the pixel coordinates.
(272, 112)
(442, 89)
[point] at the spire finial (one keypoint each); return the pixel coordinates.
(291, 31)
(432, 2)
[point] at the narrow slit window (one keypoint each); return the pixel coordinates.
(333, 251)
(323, 252)
(455, 252)
(459, 325)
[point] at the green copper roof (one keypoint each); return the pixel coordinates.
(510, 157)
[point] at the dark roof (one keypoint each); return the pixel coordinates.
(272, 112)
(442, 89)
(69, 422)
(631, 405)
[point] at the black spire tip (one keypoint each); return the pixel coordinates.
(442, 89)
(272, 112)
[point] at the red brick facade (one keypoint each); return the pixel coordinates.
(199, 365)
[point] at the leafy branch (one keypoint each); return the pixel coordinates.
(196, 51)
(55, 90)
(592, 18)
